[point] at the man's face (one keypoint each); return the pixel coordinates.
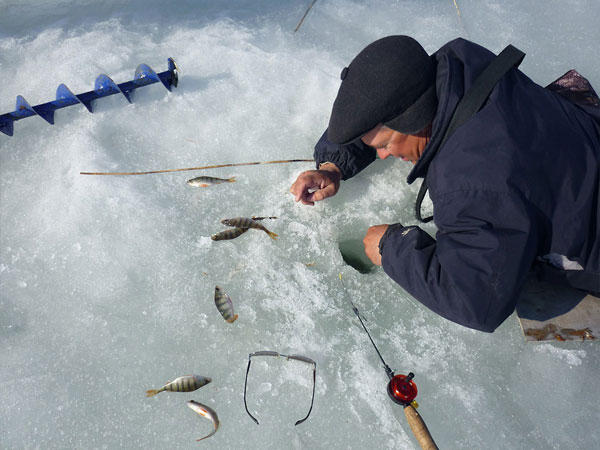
(390, 142)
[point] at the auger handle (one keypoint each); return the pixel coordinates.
(419, 429)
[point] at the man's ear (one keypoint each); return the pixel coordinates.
(425, 132)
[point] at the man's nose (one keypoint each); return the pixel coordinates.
(382, 153)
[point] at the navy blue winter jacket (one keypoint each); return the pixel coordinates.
(518, 180)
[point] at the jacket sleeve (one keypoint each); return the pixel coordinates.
(350, 158)
(473, 273)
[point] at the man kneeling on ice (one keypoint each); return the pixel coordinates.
(515, 184)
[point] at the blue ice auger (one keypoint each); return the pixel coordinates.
(103, 87)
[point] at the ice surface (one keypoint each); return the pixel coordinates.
(107, 283)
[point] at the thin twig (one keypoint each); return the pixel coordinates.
(199, 168)
(302, 20)
(460, 18)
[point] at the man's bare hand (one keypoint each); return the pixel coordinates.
(315, 185)
(371, 242)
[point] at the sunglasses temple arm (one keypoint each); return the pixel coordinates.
(300, 358)
(313, 394)
(265, 353)
(245, 385)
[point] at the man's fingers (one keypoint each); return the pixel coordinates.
(302, 193)
(301, 186)
(322, 194)
(371, 242)
(312, 186)
(299, 189)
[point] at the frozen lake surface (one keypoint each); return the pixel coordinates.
(107, 283)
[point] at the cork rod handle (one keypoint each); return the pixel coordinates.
(419, 429)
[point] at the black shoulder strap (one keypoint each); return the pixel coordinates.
(472, 102)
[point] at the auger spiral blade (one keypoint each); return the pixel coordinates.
(103, 87)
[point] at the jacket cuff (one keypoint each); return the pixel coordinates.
(350, 158)
(333, 159)
(391, 229)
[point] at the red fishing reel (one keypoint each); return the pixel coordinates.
(402, 389)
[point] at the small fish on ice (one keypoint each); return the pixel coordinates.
(230, 233)
(207, 413)
(224, 305)
(246, 222)
(208, 181)
(187, 383)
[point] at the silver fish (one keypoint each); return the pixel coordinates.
(206, 412)
(230, 233)
(208, 181)
(187, 383)
(246, 222)
(224, 305)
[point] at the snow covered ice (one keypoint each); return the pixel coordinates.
(107, 283)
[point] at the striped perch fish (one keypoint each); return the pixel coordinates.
(187, 383)
(230, 233)
(246, 222)
(224, 305)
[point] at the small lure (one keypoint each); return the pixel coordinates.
(187, 383)
(246, 222)
(208, 181)
(263, 218)
(207, 413)
(230, 233)
(224, 305)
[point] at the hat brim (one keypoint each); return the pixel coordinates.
(417, 116)
(351, 117)
(347, 124)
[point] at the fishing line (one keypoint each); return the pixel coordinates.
(388, 371)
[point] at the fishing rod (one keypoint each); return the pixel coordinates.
(402, 390)
(216, 166)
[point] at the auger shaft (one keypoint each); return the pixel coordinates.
(103, 87)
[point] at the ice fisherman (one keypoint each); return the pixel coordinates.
(516, 184)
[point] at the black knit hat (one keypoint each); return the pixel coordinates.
(391, 81)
